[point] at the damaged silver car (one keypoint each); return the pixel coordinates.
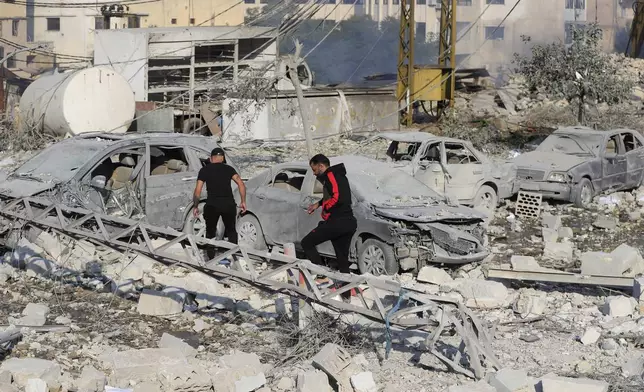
(576, 163)
(402, 223)
(451, 167)
(148, 176)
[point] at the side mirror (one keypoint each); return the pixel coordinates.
(98, 182)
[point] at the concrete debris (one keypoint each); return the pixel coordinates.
(606, 223)
(240, 372)
(549, 235)
(91, 380)
(591, 336)
(287, 383)
(553, 383)
(483, 294)
(634, 367)
(34, 315)
(36, 385)
(558, 251)
(524, 263)
(139, 365)
(172, 342)
(599, 263)
(511, 380)
(161, 303)
(565, 232)
(618, 306)
(363, 382)
(608, 344)
(530, 303)
(433, 275)
(551, 221)
(336, 362)
(480, 386)
(190, 378)
(23, 369)
(313, 381)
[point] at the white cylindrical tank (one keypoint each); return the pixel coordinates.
(93, 99)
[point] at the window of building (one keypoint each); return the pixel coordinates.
(249, 1)
(467, 3)
(421, 29)
(330, 1)
(1, 52)
(576, 4)
(30, 60)
(395, 2)
(53, 24)
(99, 23)
(192, 21)
(494, 32)
(11, 62)
(501, 2)
(569, 31)
(133, 22)
(421, 2)
(173, 21)
(461, 28)
(263, 1)
(15, 24)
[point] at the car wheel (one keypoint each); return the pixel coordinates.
(486, 200)
(583, 193)
(250, 232)
(377, 258)
(197, 225)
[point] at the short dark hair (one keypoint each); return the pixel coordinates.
(217, 151)
(320, 158)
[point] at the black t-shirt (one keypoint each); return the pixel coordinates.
(217, 177)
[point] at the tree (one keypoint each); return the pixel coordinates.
(579, 72)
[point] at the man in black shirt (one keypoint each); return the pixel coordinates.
(220, 201)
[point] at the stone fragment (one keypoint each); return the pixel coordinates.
(530, 303)
(480, 386)
(160, 303)
(629, 258)
(618, 306)
(36, 385)
(148, 386)
(584, 367)
(172, 342)
(608, 344)
(524, 263)
(364, 382)
(606, 222)
(549, 235)
(130, 270)
(50, 244)
(5, 377)
(484, 294)
(313, 381)
(22, 369)
(558, 251)
(433, 275)
(91, 380)
(633, 367)
(33, 315)
(287, 384)
(565, 232)
(239, 371)
(551, 221)
(511, 380)
(336, 362)
(591, 336)
(553, 383)
(6, 387)
(140, 365)
(599, 263)
(189, 378)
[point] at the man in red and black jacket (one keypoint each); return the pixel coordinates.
(338, 224)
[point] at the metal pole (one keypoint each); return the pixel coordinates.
(293, 63)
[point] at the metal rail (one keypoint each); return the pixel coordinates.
(380, 299)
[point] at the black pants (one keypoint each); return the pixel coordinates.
(339, 232)
(228, 214)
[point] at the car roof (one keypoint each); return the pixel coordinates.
(581, 130)
(414, 137)
(178, 137)
(353, 163)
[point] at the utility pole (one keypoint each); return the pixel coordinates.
(293, 62)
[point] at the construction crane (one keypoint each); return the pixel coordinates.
(636, 38)
(434, 83)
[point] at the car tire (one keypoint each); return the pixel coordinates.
(486, 200)
(197, 226)
(583, 193)
(376, 257)
(250, 232)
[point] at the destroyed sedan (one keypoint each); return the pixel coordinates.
(451, 167)
(402, 223)
(149, 176)
(576, 163)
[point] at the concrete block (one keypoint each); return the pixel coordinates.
(287, 384)
(549, 235)
(599, 263)
(5, 377)
(175, 343)
(22, 369)
(363, 382)
(91, 380)
(160, 303)
(240, 372)
(565, 232)
(313, 381)
(139, 365)
(618, 306)
(36, 385)
(633, 367)
(483, 294)
(558, 251)
(187, 378)
(530, 303)
(553, 383)
(480, 386)
(606, 222)
(591, 336)
(335, 361)
(433, 275)
(50, 244)
(551, 221)
(33, 315)
(6, 387)
(511, 380)
(524, 263)
(628, 259)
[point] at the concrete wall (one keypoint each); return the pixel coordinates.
(280, 117)
(190, 13)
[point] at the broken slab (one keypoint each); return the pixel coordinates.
(629, 258)
(139, 365)
(34, 315)
(618, 306)
(364, 382)
(480, 386)
(313, 381)
(558, 251)
(36, 385)
(240, 372)
(22, 369)
(600, 264)
(549, 235)
(161, 303)
(552, 222)
(336, 362)
(524, 263)
(553, 383)
(433, 275)
(91, 380)
(172, 342)
(134, 269)
(38, 266)
(606, 222)
(633, 367)
(565, 232)
(189, 378)
(530, 303)
(511, 380)
(483, 294)
(591, 336)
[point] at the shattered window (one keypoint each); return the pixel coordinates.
(433, 153)
(60, 161)
(458, 154)
(289, 179)
(572, 144)
(168, 160)
(390, 187)
(630, 142)
(402, 151)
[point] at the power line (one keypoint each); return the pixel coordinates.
(77, 5)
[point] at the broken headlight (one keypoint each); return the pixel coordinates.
(559, 177)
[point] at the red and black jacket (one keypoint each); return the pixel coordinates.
(336, 203)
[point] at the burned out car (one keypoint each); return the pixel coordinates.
(451, 167)
(151, 176)
(402, 223)
(576, 163)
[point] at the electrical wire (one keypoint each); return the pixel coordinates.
(349, 9)
(76, 5)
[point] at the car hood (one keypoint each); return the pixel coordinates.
(17, 187)
(549, 161)
(428, 214)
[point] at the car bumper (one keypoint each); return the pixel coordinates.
(471, 258)
(549, 190)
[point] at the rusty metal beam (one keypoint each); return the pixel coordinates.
(406, 60)
(636, 37)
(380, 299)
(447, 47)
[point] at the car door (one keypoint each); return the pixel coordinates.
(428, 167)
(464, 169)
(311, 193)
(169, 184)
(634, 152)
(614, 168)
(276, 206)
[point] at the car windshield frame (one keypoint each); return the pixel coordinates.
(58, 162)
(589, 144)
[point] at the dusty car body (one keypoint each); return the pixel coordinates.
(401, 221)
(576, 163)
(151, 176)
(451, 167)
